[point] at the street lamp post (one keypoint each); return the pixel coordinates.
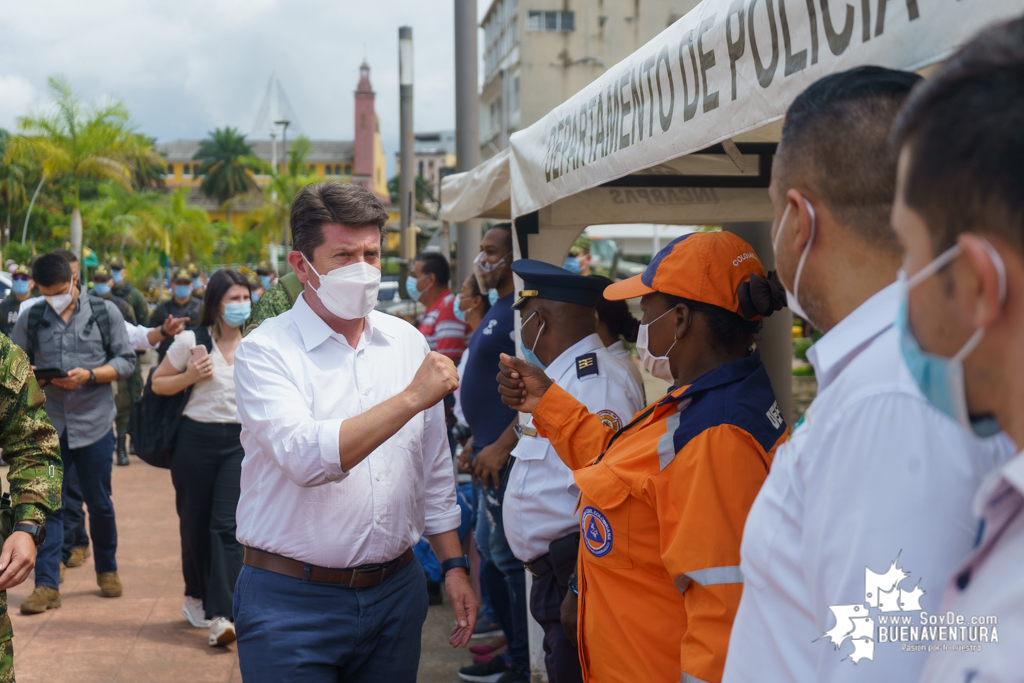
(407, 179)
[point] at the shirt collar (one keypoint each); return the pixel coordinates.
(834, 351)
(315, 331)
(726, 373)
(567, 359)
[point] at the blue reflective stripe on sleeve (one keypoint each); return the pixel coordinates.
(712, 576)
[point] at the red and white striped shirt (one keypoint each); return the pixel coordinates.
(445, 333)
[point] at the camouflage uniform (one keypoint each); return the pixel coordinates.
(274, 301)
(32, 450)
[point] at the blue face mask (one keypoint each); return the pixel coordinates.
(941, 379)
(101, 288)
(118, 275)
(528, 353)
(410, 287)
(572, 264)
(196, 283)
(20, 287)
(235, 315)
(265, 279)
(254, 296)
(459, 313)
(492, 296)
(182, 291)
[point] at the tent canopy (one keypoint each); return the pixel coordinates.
(483, 192)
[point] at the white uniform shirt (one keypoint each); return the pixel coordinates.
(539, 506)
(296, 381)
(992, 592)
(622, 354)
(872, 478)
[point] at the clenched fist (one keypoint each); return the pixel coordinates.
(521, 384)
(436, 378)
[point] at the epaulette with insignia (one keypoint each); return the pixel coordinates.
(586, 365)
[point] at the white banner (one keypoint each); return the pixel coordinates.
(727, 67)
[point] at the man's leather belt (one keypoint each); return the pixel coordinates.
(541, 566)
(356, 577)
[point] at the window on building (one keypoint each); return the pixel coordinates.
(513, 96)
(170, 169)
(337, 169)
(348, 169)
(550, 21)
(421, 169)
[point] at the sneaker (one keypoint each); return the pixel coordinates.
(484, 673)
(517, 673)
(222, 632)
(486, 629)
(78, 556)
(110, 584)
(42, 599)
(482, 659)
(486, 649)
(195, 613)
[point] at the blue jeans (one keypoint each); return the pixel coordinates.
(93, 463)
(74, 516)
(296, 630)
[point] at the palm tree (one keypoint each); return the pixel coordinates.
(178, 228)
(228, 166)
(95, 143)
(271, 218)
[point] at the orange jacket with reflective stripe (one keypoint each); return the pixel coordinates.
(661, 518)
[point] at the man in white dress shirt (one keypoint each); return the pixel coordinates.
(559, 333)
(866, 510)
(960, 214)
(346, 465)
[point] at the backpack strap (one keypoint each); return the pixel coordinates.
(102, 320)
(203, 337)
(292, 287)
(35, 321)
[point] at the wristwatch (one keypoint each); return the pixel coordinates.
(92, 377)
(454, 563)
(36, 531)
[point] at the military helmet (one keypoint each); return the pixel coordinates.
(102, 273)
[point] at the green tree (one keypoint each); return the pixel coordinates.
(95, 143)
(424, 195)
(270, 220)
(227, 166)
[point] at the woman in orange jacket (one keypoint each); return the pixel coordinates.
(664, 499)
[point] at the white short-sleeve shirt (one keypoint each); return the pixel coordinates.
(212, 400)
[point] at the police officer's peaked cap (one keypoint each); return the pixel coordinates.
(116, 263)
(102, 272)
(545, 281)
(264, 268)
(182, 275)
(23, 270)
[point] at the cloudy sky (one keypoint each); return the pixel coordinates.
(189, 66)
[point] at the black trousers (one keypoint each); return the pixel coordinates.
(561, 656)
(206, 470)
(74, 516)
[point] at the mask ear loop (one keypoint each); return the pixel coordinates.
(807, 249)
(1000, 267)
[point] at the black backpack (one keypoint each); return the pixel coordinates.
(154, 421)
(99, 318)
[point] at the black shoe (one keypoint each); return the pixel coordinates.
(131, 447)
(434, 593)
(485, 673)
(516, 673)
(122, 455)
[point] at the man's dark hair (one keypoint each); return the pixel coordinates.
(332, 202)
(729, 331)
(507, 227)
(436, 265)
(835, 141)
(964, 131)
(68, 256)
(51, 269)
(216, 287)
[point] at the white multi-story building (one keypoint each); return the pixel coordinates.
(538, 53)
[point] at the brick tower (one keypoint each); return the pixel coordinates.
(366, 127)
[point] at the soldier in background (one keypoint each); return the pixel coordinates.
(122, 289)
(266, 273)
(127, 389)
(32, 450)
(182, 304)
(21, 290)
(198, 282)
(278, 298)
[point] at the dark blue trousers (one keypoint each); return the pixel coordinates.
(74, 515)
(93, 463)
(296, 630)
(561, 656)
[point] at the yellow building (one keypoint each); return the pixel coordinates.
(360, 160)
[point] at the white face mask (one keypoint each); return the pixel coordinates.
(348, 292)
(658, 366)
(60, 302)
(793, 298)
